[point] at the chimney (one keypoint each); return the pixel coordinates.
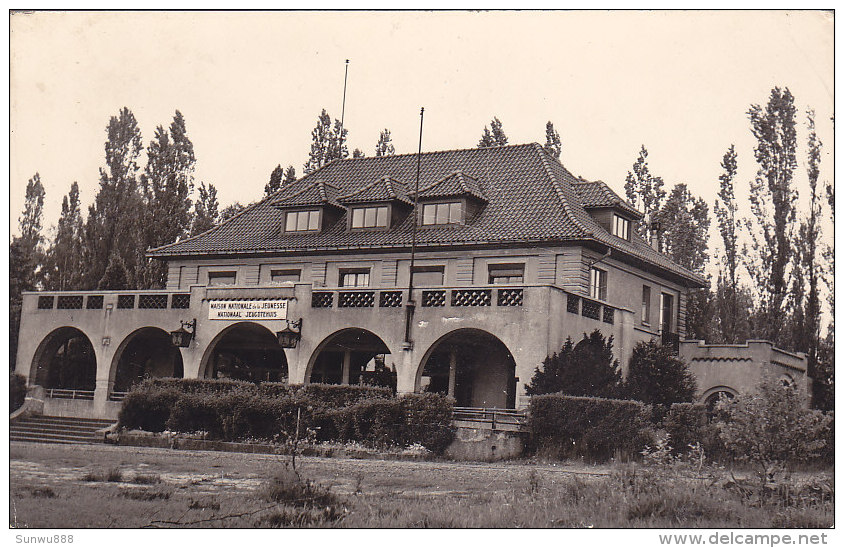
(655, 229)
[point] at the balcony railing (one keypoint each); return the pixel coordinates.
(117, 396)
(431, 298)
(65, 394)
(496, 418)
(126, 300)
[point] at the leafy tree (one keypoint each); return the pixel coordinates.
(771, 429)
(231, 210)
(384, 146)
(358, 153)
(657, 377)
(276, 178)
(64, 269)
(205, 210)
(289, 175)
(327, 143)
(25, 258)
(116, 276)
(584, 369)
(553, 145)
(112, 225)
(772, 202)
(644, 191)
(684, 228)
(494, 137)
(166, 186)
(732, 302)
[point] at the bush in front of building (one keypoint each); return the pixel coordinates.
(595, 429)
(428, 420)
(340, 395)
(688, 424)
(197, 385)
(148, 406)
(17, 391)
(583, 369)
(658, 378)
(376, 421)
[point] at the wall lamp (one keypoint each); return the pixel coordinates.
(181, 337)
(289, 336)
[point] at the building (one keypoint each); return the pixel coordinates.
(511, 255)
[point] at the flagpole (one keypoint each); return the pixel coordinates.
(411, 304)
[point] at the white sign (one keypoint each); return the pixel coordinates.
(248, 310)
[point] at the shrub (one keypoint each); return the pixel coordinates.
(193, 386)
(376, 421)
(147, 407)
(17, 390)
(592, 428)
(336, 395)
(657, 377)
(686, 424)
(772, 429)
(584, 369)
(427, 420)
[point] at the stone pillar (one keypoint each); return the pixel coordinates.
(406, 373)
(452, 373)
(347, 366)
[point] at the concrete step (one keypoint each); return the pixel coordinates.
(99, 423)
(47, 429)
(49, 437)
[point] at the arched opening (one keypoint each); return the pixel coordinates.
(472, 366)
(716, 395)
(65, 359)
(145, 353)
(246, 351)
(352, 356)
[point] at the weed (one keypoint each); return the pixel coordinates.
(204, 504)
(534, 482)
(146, 479)
(301, 517)
(287, 487)
(42, 492)
(145, 494)
(111, 475)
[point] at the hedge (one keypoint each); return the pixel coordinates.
(269, 411)
(586, 427)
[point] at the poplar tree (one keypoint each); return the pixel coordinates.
(64, 258)
(645, 191)
(276, 178)
(553, 145)
(112, 225)
(205, 210)
(493, 135)
(384, 146)
(327, 143)
(772, 202)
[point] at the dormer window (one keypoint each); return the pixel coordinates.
(302, 221)
(370, 217)
(621, 227)
(442, 214)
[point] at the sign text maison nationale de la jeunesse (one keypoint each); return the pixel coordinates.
(273, 309)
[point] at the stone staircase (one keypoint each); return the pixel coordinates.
(43, 429)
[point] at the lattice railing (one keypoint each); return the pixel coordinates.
(95, 302)
(65, 394)
(69, 302)
(180, 300)
(511, 297)
(573, 304)
(389, 299)
(471, 297)
(322, 299)
(356, 299)
(609, 314)
(433, 298)
(46, 303)
(152, 301)
(591, 309)
(125, 301)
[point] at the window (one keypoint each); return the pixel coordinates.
(281, 276)
(428, 275)
(598, 284)
(506, 273)
(222, 278)
(646, 304)
(369, 217)
(354, 278)
(621, 227)
(666, 312)
(442, 214)
(302, 221)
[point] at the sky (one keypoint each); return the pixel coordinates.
(251, 85)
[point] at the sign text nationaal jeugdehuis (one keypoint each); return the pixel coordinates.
(248, 310)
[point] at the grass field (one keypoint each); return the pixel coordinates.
(53, 486)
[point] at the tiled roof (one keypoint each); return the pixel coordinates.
(530, 198)
(594, 194)
(383, 189)
(310, 193)
(454, 184)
